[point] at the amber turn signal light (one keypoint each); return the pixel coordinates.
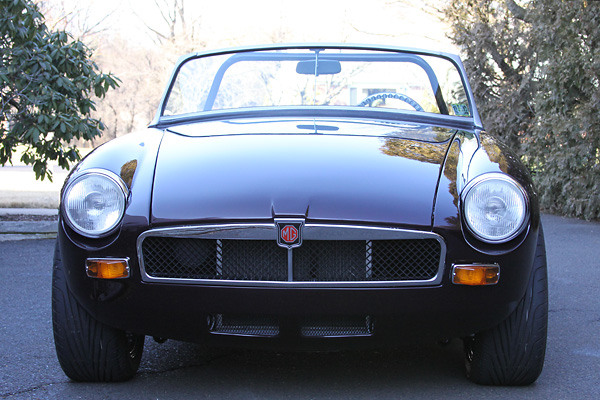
(107, 268)
(475, 275)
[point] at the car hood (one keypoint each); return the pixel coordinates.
(321, 171)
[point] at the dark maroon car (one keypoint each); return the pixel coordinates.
(305, 197)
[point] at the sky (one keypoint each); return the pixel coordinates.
(228, 23)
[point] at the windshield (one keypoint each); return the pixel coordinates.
(318, 77)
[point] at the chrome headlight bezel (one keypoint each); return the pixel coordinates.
(512, 187)
(121, 193)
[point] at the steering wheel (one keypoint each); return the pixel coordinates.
(388, 95)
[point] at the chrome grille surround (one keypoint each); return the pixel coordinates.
(311, 232)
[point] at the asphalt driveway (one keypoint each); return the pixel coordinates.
(174, 370)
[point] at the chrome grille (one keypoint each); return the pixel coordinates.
(226, 254)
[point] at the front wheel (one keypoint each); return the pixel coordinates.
(88, 350)
(513, 352)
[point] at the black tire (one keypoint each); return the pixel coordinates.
(513, 352)
(88, 350)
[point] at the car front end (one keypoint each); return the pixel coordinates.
(317, 226)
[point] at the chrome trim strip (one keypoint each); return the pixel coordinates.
(290, 265)
(310, 232)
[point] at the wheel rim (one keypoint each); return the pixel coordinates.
(133, 346)
(469, 354)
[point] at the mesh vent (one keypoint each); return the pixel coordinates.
(337, 326)
(245, 325)
(399, 260)
(180, 258)
(268, 326)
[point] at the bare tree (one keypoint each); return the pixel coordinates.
(177, 26)
(143, 72)
(80, 19)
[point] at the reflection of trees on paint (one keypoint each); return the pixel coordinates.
(422, 144)
(432, 153)
(127, 172)
(450, 171)
(495, 152)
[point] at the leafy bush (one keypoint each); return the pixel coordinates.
(535, 71)
(47, 80)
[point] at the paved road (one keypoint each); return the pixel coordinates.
(173, 370)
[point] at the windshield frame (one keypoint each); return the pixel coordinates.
(254, 53)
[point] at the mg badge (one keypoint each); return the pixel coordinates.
(289, 232)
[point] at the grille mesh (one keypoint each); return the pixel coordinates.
(180, 258)
(256, 260)
(269, 326)
(336, 326)
(331, 260)
(398, 260)
(314, 261)
(243, 325)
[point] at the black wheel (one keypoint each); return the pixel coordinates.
(87, 349)
(513, 352)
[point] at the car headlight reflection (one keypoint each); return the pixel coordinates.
(495, 208)
(94, 202)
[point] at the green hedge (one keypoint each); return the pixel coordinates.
(535, 70)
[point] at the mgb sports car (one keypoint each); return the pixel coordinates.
(304, 197)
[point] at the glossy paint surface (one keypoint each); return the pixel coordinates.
(327, 177)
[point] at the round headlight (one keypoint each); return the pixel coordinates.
(94, 202)
(495, 208)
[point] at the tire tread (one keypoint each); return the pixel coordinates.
(87, 350)
(513, 352)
